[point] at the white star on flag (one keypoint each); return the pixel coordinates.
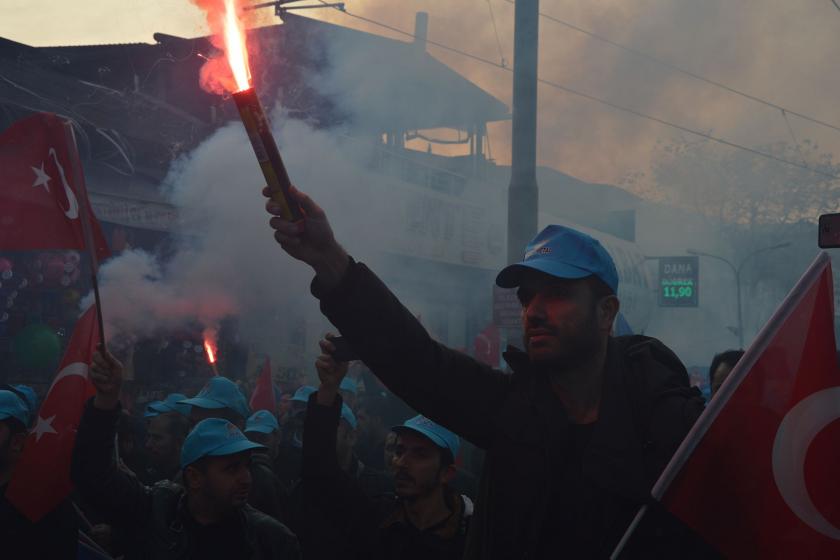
(41, 178)
(44, 427)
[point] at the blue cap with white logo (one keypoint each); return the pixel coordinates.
(565, 253)
(214, 437)
(439, 435)
(12, 406)
(172, 403)
(303, 393)
(262, 421)
(220, 392)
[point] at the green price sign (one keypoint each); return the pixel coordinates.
(678, 281)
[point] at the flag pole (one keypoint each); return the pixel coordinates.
(79, 182)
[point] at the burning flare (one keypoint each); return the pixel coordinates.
(230, 73)
(210, 347)
(235, 48)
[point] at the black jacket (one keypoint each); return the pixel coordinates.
(267, 493)
(55, 536)
(352, 523)
(156, 516)
(647, 408)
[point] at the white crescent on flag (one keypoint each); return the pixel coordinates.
(72, 210)
(798, 429)
(76, 368)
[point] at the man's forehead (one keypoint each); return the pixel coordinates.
(537, 279)
(413, 439)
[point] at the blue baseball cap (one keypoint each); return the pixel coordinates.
(29, 397)
(220, 392)
(214, 437)
(303, 393)
(348, 416)
(172, 403)
(12, 406)
(439, 435)
(262, 421)
(565, 253)
(349, 384)
(151, 411)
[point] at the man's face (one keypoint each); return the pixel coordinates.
(390, 447)
(11, 446)
(163, 448)
(270, 441)
(560, 320)
(720, 374)
(226, 481)
(417, 466)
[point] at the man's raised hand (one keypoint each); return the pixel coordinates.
(330, 372)
(106, 374)
(313, 244)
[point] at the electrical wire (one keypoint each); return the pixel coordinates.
(675, 68)
(602, 101)
(496, 31)
(793, 136)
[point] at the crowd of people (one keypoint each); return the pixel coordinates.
(572, 436)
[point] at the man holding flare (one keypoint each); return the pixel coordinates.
(575, 436)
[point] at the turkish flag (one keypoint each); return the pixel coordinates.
(263, 396)
(487, 345)
(40, 202)
(41, 479)
(757, 475)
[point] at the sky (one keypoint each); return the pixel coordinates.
(784, 52)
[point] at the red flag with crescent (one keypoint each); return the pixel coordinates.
(757, 475)
(41, 479)
(42, 189)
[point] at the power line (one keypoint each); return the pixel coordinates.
(496, 31)
(602, 101)
(835, 4)
(793, 136)
(675, 68)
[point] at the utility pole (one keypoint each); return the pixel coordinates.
(523, 196)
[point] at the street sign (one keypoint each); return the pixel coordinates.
(678, 281)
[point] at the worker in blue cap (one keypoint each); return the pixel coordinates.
(56, 534)
(426, 519)
(205, 517)
(268, 493)
(168, 423)
(579, 432)
(219, 398)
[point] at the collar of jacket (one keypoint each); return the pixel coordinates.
(614, 457)
(184, 519)
(447, 529)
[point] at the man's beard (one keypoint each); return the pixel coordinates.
(575, 349)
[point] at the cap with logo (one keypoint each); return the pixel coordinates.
(303, 393)
(565, 253)
(172, 403)
(220, 392)
(13, 406)
(214, 437)
(262, 421)
(439, 435)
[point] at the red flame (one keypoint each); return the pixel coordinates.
(210, 347)
(232, 73)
